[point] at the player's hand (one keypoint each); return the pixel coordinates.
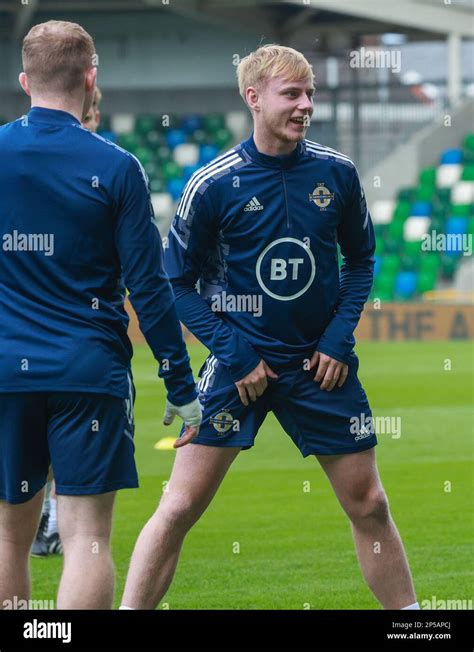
(191, 414)
(329, 371)
(254, 383)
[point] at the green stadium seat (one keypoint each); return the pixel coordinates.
(462, 210)
(395, 229)
(222, 138)
(392, 246)
(131, 142)
(213, 122)
(428, 177)
(448, 266)
(424, 193)
(154, 138)
(145, 123)
(390, 264)
(468, 173)
(412, 248)
(171, 170)
(144, 155)
(402, 210)
(383, 294)
(409, 263)
(469, 142)
(384, 283)
(407, 194)
(426, 282)
(163, 154)
(200, 137)
(468, 156)
(430, 263)
(157, 185)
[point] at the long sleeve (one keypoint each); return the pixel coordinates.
(357, 241)
(193, 233)
(140, 251)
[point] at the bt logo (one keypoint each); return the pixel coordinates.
(285, 269)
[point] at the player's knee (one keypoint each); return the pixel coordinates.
(180, 513)
(373, 505)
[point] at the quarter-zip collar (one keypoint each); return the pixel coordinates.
(280, 162)
(41, 115)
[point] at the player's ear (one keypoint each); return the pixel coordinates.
(253, 98)
(24, 83)
(97, 118)
(90, 79)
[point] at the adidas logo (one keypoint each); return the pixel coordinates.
(253, 205)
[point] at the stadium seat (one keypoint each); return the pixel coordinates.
(456, 225)
(405, 284)
(402, 210)
(426, 282)
(145, 123)
(421, 209)
(175, 137)
(468, 173)
(428, 177)
(191, 123)
(382, 211)
(189, 170)
(207, 153)
(186, 154)
(450, 156)
(463, 192)
(447, 175)
(415, 227)
(175, 187)
(469, 142)
(122, 123)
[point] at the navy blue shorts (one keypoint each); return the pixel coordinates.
(87, 438)
(319, 422)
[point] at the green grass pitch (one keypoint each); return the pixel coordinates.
(296, 548)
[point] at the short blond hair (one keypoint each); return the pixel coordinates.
(270, 61)
(56, 56)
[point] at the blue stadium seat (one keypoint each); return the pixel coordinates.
(191, 123)
(405, 284)
(378, 265)
(421, 208)
(456, 224)
(208, 152)
(175, 187)
(450, 156)
(189, 170)
(175, 137)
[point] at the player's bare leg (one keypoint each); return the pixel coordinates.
(197, 473)
(382, 558)
(85, 525)
(18, 527)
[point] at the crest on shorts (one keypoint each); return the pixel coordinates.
(222, 421)
(321, 196)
